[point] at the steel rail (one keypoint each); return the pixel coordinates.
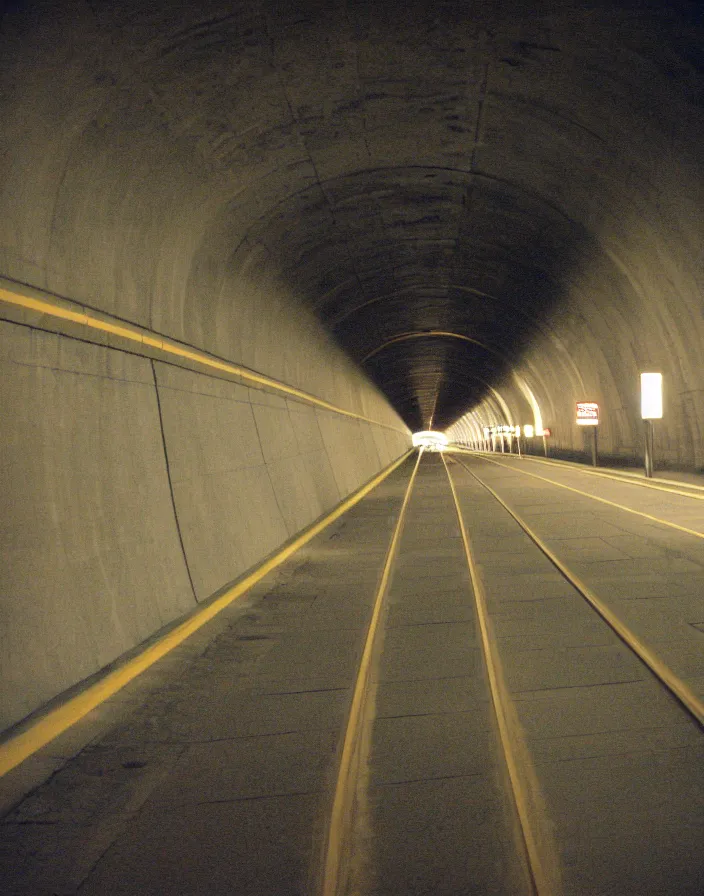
(679, 690)
(641, 513)
(540, 863)
(345, 786)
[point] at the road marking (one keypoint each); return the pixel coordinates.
(542, 861)
(104, 324)
(675, 685)
(627, 478)
(340, 816)
(577, 491)
(39, 733)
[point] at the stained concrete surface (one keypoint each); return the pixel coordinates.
(215, 770)
(619, 762)
(143, 489)
(237, 748)
(462, 206)
(526, 177)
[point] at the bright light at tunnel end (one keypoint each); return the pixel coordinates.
(430, 440)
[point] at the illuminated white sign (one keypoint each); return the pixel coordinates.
(587, 413)
(651, 396)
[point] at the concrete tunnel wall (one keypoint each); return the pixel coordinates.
(612, 146)
(133, 488)
(229, 175)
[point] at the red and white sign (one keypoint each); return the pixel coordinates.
(587, 413)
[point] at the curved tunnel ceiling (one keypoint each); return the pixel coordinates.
(433, 252)
(435, 181)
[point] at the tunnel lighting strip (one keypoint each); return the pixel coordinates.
(170, 347)
(520, 773)
(577, 491)
(681, 691)
(49, 726)
(345, 786)
(628, 478)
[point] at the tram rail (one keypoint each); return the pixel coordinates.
(509, 751)
(540, 845)
(674, 684)
(437, 707)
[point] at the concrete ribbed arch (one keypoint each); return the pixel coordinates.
(430, 334)
(546, 155)
(285, 186)
(417, 249)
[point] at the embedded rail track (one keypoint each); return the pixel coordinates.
(422, 700)
(565, 681)
(675, 684)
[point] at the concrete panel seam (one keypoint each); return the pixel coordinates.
(205, 394)
(171, 488)
(340, 487)
(268, 473)
(81, 373)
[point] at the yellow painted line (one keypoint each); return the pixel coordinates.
(674, 684)
(170, 347)
(345, 786)
(58, 720)
(535, 846)
(627, 478)
(647, 516)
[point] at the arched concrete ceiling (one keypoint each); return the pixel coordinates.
(455, 189)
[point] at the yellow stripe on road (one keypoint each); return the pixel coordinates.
(142, 337)
(55, 722)
(577, 491)
(663, 485)
(675, 685)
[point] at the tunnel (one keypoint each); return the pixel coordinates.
(248, 248)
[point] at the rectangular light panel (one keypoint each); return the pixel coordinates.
(651, 396)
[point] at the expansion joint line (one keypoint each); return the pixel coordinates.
(679, 690)
(341, 816)
(542, 880)
(171, 485)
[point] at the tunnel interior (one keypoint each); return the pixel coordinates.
(417, 213)
(454, 191)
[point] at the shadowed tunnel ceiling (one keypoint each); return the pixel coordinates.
(235, 236)
(430, 277)
(454, 189)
